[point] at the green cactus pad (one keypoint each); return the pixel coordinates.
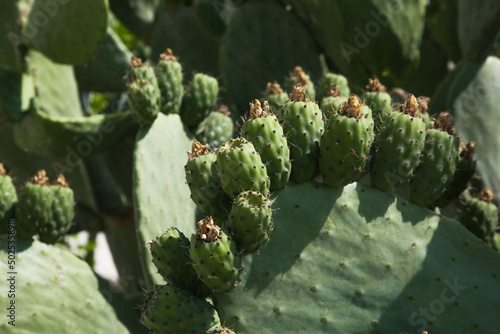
(16, 91)
(200, 99)
(359, 260)
(345, 146)
(303, 125)
(240, 168)
(208, 17)
(215, 257)
(399, 145)
(216, 129)
(105, 71)
(205, 184)
(67, 32)
(266, 134)
(169, 75)
(159, 158)
(8, 199)
(250, 221)
(438, 165)
(170, 253)
(170, 309)
(263, 42)
(55, 292)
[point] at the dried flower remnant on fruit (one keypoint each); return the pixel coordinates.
(2, 170)
(486, 195)
(136, 62)
(444, 122)
(61, 181)
(223, 109)
(298, 94)
(423, 104)
(40, 178)
(301, 76)
(352, 108)
(168, 55)
(256, 109)
(375, 86)
(273, 88)
(410, 107)
(467, 150)
(207, 229)
(197, 150)
(333, 90)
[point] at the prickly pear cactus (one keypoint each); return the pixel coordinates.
(274, 95)
(378, 100)
(216, 128)
(8, 199)
(169, 74)
(299, 76)
(330, 79)
(199, 99)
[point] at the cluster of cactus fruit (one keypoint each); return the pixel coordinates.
(289, 137)
(40, 208)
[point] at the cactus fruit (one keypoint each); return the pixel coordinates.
(298, 76)
(438, 165)
(34, 205)
(266, 134)
(170, 253)
(478, 214)
(333, 102)
(274, 95)
(169, 76)
(144, 99)
(215, 257)
(250, 221)
(464, 171)
(140, 71)
(303, 125)
(330, 79)
(423, 107)
(399, 144)
(218, 329)
(240, 168)
(8, 199)
(217, 128)
(199, 99)
(378, 100)
(345, 145)
(205, 184)
(170, 309)
(62, 212)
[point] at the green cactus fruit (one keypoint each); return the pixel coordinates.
(240, 168)
(478, 214)
(144, 100)
(399, 144)
(62, 212)
(266, 134)
(345, 145)
(140, 71)
(302, 122)
(170, 253)
(423, 105)
(250, 221)
(464, 171)
(169, 76)
(34, 206)
(378, 100)
(8, 199)
(199, 99)
(215, 257)
(298, 76)
(205, 184)
(169, 309)
(438, 165)
(274, 95)
(217, 128)
(330, 79)
(218, 329)
(333, 102)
